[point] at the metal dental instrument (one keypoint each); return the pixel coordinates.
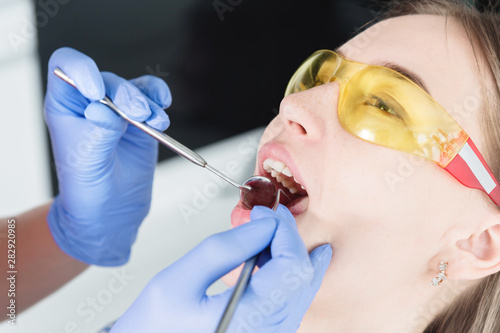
(257, 190)
(245, 274)
(164, 139)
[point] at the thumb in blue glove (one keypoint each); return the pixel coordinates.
(277, 297)
(282, 290)
(105, 167)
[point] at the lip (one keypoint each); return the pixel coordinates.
(275, 151)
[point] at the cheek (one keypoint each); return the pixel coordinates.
(353, 175)
(364, 184)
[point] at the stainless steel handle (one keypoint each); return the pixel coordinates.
(164, 139)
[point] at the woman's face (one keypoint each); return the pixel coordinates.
(387, 214)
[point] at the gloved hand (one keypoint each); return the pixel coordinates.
(105, 167)
(276, 299)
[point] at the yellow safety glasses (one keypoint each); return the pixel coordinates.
(381, 106)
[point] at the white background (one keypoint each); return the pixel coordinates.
(24, 172)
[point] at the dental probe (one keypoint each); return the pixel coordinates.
(164, 139)
(243, 281)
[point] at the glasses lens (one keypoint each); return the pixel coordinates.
(383, 107)
(315, 71)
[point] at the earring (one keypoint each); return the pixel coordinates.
(442, 274)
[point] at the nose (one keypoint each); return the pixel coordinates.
(308, 114)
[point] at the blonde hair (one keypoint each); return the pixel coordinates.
(477, 309)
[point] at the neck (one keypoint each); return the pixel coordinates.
(344, 304)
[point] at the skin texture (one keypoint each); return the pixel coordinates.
(388, 237)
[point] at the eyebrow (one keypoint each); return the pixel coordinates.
(415, 78)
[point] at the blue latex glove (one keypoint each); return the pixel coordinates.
(105, 167)
(276, 299)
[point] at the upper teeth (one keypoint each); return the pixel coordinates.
(282, 173)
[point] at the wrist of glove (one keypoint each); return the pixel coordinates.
(77, 237)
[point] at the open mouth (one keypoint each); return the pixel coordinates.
(283, 179)
(294, 195)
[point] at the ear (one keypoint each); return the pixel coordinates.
(479, 255)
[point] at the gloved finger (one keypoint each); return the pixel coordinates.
(100, 115)
(290, 261)
(155, 88)
(287, 242)
(220, 253)
(158, 119)
(264, 257)
(320, 259)
(158, 96)
(81, 69)
(281, 212)
(127, 97)
(278, 297)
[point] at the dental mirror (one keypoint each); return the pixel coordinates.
(262, 192)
